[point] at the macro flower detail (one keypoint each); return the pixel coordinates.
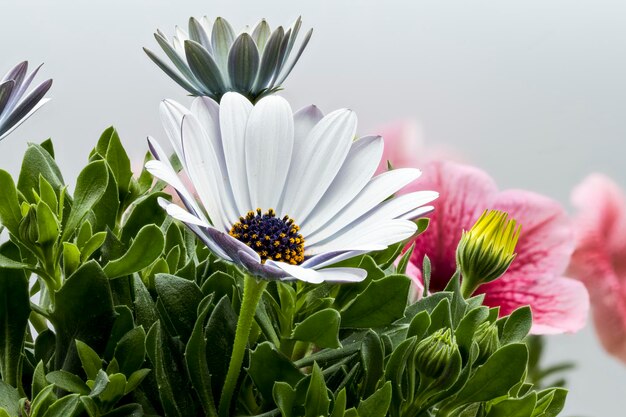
(287, 195)
(15, 104)
(486, 251)
(537, 275)
(211, 59)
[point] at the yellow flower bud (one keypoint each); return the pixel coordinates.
(486, 251)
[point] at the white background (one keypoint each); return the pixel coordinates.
(533, 91)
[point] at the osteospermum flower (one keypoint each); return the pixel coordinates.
(287, 194)
(15, 105)
(212, 59)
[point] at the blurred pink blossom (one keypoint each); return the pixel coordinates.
(599, 260)
(536, 277)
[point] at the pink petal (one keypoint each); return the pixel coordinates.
(598, 260)
(602, 211)
(465, 192)
(547, 237)
(558, 304)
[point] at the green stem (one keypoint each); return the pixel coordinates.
(467, 290)
(252, 291)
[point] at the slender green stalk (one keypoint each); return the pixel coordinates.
(252, 291)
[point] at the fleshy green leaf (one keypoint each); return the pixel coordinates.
(144, 250)
(321, 328)
(268, 365)
(90, 186)
(369, 309)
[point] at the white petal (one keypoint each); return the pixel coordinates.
(208, 113)
(23, 119)
(198, 226)
(375, 235)
(234, 112)
(304, 121)
(418, 212)
(181, 214)
(357, 170)
(302, 274)
(329, 258)
(376, 191)
(202, 166)
(172, 114)
(317, 162)
(269, 142)
(164, 172)
(323, 275)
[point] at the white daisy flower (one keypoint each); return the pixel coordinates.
(211, 58)
(15, 105)
(284, 195)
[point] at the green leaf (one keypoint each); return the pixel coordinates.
(404, 261)
(195, 359)
(220, 331)
(321, 328)
(369, 309)
(71, 258)
(377, 404)
(39, 380)
(339, 408)
(517, 326)
(47, 224)
(14, 313)
(268, 365)
(180, 298)
(130, 351)
(284, 397)
(118, 160)
(69, 406)
(419, 325)
(92, 245)
(174, 390)
(90, 186)
(9, 399)
(37, 161)
(144, 250)
(317, 402)
(143, 211)
(10, 213)
(135, 379)
(514, 407)
(107, 207)
(48, 195)
(372, 357)
(503, 369)
(89, 359)
(145, 311)
(83, 311)
(68, 381)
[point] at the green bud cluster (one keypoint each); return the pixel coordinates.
(488, 341)
(434, 354)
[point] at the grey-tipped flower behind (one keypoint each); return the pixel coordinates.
(15, 105)
(211, 59)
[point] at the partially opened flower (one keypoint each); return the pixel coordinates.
(15, 104)
(212, 59)
(285, 195)
(599, 260)
(536, 276)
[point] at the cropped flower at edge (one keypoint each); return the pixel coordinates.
(287, 195)
(15, 105)
(211, 59)
(599, 258)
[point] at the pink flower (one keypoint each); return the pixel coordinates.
(599, 260)
(559, 304)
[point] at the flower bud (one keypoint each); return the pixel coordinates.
(28, 230)
(488, 341)
(434, 354)
(486, 251)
